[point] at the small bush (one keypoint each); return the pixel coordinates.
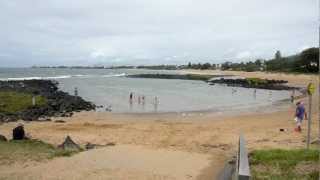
(23, 150)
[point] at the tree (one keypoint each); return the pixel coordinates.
(206, 66)
(258, 62)
(278, 55)
(189, 65)
(308, 61)
(226, 65)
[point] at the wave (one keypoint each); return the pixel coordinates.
(114, 75)
(60, 77)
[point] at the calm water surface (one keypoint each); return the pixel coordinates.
(111, 88)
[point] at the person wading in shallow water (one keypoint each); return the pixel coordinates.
(300, 114)
(156, 103)
(130, 97)
(292, 96)
(130, 100)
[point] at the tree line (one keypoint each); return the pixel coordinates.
(305, 62)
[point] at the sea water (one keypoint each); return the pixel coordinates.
(111, 88)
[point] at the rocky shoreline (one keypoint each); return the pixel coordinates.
(198, 77)
(254, 83)
(58, 103)
(228, 80)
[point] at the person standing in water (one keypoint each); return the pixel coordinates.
(75, 91)
(130, 100)
(234, 90)
(143, 100)
(300, 114)
(270, 95)
(156, 102)
(139, 99)
(292, 96)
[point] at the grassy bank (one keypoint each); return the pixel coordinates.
(26, 150)
(285, 164)
(12, 102)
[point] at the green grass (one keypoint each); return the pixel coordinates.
(277, 164)
(12, 102)
(256, 81)
(26, 150)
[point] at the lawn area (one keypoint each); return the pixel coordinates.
(26, 150)
(278, 164)
(11, 101)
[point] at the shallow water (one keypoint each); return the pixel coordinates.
(112, 88)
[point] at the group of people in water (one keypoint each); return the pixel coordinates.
(141, 100)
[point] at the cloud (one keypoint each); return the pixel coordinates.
(244, 54)
(55, 32)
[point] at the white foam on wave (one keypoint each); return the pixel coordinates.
(22, 78)
(60, 77)
(114, 75)
(57, 77)
(33, 78)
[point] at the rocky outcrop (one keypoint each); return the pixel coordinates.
(3, 138)
(58, 103)
(253, 83)
(199, 77)
(69, 145)
(89, 145)
(18, 133)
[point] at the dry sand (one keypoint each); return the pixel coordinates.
(117, 162)
(156, 146)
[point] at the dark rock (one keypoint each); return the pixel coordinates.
(109, 108)
(176, 76)
(90, 146)
(254, 83)
(59, 121)
(317, 141)
(18, 133)
(58, 103)
(69, 144)
(3, 138)
(111, 144)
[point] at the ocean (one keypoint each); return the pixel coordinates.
(111, 88)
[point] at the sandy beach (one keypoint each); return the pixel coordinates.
(300, 80)
(160, 146)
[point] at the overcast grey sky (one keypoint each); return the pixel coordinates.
(116, 32)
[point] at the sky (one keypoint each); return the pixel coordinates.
(137, 32)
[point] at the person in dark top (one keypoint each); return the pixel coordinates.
(131, 96)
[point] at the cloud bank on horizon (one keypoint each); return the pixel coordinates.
(132, 32)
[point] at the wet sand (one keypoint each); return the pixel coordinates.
(156, 146)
